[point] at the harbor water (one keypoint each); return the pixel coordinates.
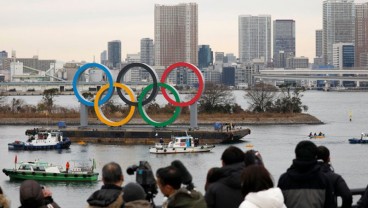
(276, 144)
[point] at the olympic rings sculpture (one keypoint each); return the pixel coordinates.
(132, 101)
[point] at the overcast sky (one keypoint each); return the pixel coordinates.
(78, 30)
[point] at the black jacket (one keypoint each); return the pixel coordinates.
(363, 201)
(304, 185)
(226, 191)
(339, 186)
(108, 196)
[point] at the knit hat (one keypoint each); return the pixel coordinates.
(31, 194)
(133, 191)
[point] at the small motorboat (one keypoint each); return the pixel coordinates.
(41, 140)
(180, 144)
(363, 139)
(44, 171)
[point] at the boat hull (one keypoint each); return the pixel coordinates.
(29, 146)
(42, 176)
(174, 150)
(358, 141)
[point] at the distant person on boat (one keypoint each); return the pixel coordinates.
(304, 184)
(32, 195)
(315, 134)
(310, 134)
(110, 194)
(258, 189)
(4, 202)
(340, 188)
(169, 180)
(161, 141)
(67, 165)
(226, 190)
(320, 134)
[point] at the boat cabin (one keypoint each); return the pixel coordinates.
(38, 166)
(183, 141)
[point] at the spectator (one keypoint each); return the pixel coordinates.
(110, 194)
(252, 157)
(340, 188)
(304, 184)
(213, 175)
(363, 201)
(32, 195)
(169, 180)
(134, 196)
(225, 191)
(258, 189)
(4, 202)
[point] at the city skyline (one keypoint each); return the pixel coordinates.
(68, 30)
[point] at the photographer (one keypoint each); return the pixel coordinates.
(110, 194)
(169, 180)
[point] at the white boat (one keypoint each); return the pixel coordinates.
(181, 144)
(41, 140)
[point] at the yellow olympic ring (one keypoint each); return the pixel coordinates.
(102, 117)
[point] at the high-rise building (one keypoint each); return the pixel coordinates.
(114, 53)
(219, 56)
(254, 38)
(103, 57)
(338, 25)
(230, 58)
(319, 45)
(3, 54)
(176, 34)
(205, 56)
(361, 35)
(283, 40)
(343, 55)
(147, 52)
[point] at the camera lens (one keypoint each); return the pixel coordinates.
(130, 170)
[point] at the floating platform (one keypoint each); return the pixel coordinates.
(149, 135)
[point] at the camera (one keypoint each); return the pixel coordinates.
(145, 178)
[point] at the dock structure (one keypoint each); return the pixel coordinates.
(149, 135)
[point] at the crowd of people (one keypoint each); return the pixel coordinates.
(242, 181)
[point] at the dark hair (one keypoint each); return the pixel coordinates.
(169, 176)
(306, 150)
(1, 191)
(111, 173)
(213, 175)
(323, 153)
(255, 178)
(232, 155)
(252, 157)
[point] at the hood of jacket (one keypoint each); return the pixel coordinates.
(107, 195)
(138, 204)
(185, 198)
(303, 170)
(230, 175)
(270, 198)
(4, 202)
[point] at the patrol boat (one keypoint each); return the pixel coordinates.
(181, 144)
(41, 140)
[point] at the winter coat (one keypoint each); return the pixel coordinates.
(138, 204)
(109, 196)
(270, 198)
(363, 201)
(339, 186)
(304, 185)
(183, 198)
(226, 191)
(4, 202)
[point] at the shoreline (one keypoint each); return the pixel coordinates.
(203, 120)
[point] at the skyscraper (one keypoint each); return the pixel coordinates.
(254, 38)
(338, 25)
(176, 34)
(283, 40)
(114, 53)
(103, 57)
(205, 56)
(319, 45)
(343, 55)
(361, 35)
(147, 52)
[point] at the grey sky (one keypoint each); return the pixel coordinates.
(80, 29)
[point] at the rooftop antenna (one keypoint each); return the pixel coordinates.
(94, 59)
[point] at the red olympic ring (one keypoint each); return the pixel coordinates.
(200, 80)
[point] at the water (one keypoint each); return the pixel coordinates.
(275, 142)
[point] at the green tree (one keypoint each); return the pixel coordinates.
(261, 97)
(217, 98)
(290, 101)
